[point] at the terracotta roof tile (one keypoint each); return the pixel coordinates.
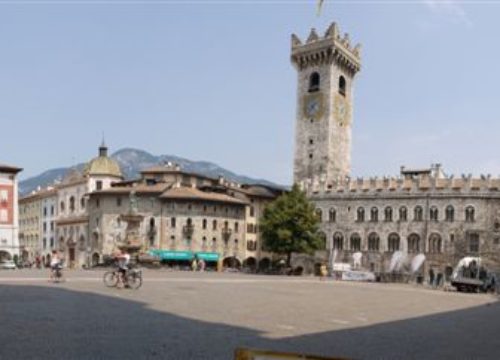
(195, 194)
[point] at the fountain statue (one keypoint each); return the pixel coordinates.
(133, 241)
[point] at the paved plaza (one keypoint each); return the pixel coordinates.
(183, 315)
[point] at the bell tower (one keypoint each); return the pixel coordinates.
(326, 67)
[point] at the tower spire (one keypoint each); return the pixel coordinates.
(103, 149)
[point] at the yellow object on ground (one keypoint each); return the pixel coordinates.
(248, 354)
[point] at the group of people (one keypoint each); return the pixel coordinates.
(198, 264)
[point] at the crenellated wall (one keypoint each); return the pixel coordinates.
(401, 185)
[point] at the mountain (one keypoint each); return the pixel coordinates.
(132, 161)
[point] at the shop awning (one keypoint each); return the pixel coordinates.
(207, 256)
(172, 255)
(184, 255)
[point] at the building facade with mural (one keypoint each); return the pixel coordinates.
(421, 211)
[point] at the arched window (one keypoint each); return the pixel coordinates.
(214, 225)
(433, 213)
(374, 214)
(388, 213)
(361, 214)
(435, 243)
(355, 242)
(319, 214)
(418, 214)
(342, 86)
(373, 242)
(450, 213)
(338, 241)
(470, 214)
(332, 215)
(413, 243)
(393, 242)
(204, 223)
(314, 82)
(236, 227)
(403, 213)
(189, 222)
(72, 204)
(82, 202)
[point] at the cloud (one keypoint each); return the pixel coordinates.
(450, 9)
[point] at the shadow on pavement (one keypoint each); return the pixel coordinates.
(55, 323)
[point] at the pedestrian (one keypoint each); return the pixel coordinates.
(201, 265)
(194, 264)
(431, 277)
(322, 272)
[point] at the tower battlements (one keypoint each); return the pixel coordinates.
(332, 47)
(423, 183)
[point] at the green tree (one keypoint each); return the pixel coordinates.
(290, 224)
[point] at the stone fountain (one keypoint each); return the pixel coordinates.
(133, 241)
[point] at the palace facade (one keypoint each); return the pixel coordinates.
(420, 211)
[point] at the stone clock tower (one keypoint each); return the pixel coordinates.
(326, 68)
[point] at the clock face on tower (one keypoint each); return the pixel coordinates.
(342, 110)
(313, 106)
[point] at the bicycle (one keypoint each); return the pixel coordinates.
(56, 275)
(132, 279)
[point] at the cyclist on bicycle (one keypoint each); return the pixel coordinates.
(123, 265)
(55, 264)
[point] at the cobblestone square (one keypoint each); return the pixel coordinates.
(184, 315)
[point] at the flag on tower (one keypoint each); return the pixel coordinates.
(320, 5)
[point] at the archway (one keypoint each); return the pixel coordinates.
(5, 255)
(250, 262)
(231, 262)
(25, 255)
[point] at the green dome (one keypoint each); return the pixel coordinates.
(103, 165)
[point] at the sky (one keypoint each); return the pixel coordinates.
(212, 80)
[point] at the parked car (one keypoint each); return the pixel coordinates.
(8, 264)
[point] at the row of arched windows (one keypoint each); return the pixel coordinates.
(418, 214)
(315, 83)
(414, 243)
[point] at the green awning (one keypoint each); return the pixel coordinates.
(184, 255)
(172, 255)
(207, 256)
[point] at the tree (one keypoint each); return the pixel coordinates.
(289, 224)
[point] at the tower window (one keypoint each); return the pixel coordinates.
(314, 82)
(310, 156)
(311, 141)
(342, 86)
